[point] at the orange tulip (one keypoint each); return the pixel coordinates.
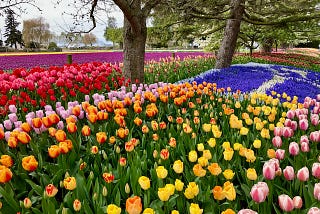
(12, 142)
(24, 138)
(51, 190)
(218, 193)
(76, 205)
(24, 126)
(54, 118)
(36, 122)
(5, 174)
(60, 136)
(63, 147)
(1, 134)
(70, 183)
(164, 154)
(6, 161)
(86, 131)
(122, 133)
(54, 151)
(46, 122)
(134, 205)
(108, 177)
(92, 117)
(112, 139)
(76, 111)
(29, 163)
(52, 131)
(129, 146)
(72, 127)
(100, 115)
(101, 137)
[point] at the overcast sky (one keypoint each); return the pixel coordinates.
(53, 15)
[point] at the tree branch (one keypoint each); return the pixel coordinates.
(149, 6)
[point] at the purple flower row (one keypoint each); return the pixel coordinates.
(45, 60)
(251, 76)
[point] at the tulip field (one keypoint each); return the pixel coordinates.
(80, 138)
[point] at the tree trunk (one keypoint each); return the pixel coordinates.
(267, 45)
(229, 41)
(134, 42)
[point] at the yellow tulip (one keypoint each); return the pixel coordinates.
(228, 174)
(178, 185)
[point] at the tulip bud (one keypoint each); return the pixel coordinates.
(118, 150)
(316, 191)
(91, 175)
(294, 148)
(27, 203)
(314, 210)
(95, 196)
(64, 211)
(127, 188)
(104, 155)
(104, 191)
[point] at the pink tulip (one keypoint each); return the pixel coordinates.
(287, 132)
(315, 119)
(280, 153)
(269, 171)
(316, 170)
(304, 138)
(303, 124)
(290, 114)
(276, 163)
(277, 141)
(285, 203)
(302, 117)
(277, 131)
(316, 191)
(294, 148)
(259, 192)
(288, 173)
(247, 211)
(297, 202)
(314, 210)
(294, 125)
(315, 136)
(303, 174)
(305, 147)
(287, 123)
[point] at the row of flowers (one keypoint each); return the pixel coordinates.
(164, 148)
(28, 61)
(250, 77)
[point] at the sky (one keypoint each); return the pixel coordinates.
(53, 15)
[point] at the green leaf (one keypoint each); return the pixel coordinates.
(9, 199)
(38, 189)
(87, 208)
(35, 210)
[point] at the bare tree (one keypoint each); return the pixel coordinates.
(16, 5)
(89, 39)
(36, 30)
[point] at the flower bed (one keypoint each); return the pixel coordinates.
(46, 60)
(163, 147)
(191, 147)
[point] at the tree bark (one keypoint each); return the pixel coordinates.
(229, 41)
(134, 50)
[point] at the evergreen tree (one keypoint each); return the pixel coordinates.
(13, 35)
